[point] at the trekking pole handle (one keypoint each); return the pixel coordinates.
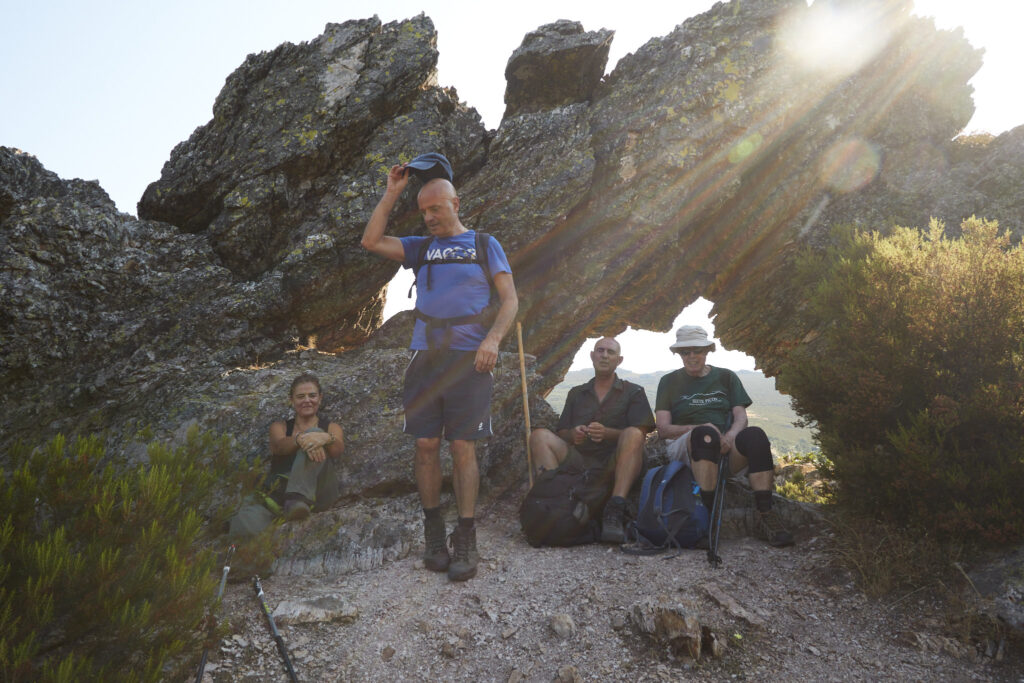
(224, 573)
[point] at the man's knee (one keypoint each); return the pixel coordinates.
(753, 444)
(631, 444)
(705, 444)
(632, 436)
(428, 447)
(548, 448)
(463, 451)
(540, 438)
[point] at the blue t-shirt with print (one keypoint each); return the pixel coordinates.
(455, 289)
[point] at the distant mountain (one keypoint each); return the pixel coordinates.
(771, 410)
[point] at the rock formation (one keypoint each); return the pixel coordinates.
(697, 167)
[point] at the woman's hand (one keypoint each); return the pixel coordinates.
(310, 440)
(316, 453)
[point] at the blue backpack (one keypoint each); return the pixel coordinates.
(670, 511)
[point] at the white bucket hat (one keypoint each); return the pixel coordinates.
(692, 337)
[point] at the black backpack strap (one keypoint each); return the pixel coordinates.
(483, 242)
(638, 544)
(417, 263)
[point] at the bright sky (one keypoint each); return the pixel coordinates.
(104, 89)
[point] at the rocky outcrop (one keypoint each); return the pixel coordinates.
(285, 175)
(694, 168)
(105, 315)
(697, 167)
(536, 82)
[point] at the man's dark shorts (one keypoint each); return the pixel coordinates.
(607, 462)
(443, 394)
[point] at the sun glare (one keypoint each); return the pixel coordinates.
(850, 164)
(833, 41)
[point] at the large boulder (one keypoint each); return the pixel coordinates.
(558, 64)
(104, 314)
(285, 175)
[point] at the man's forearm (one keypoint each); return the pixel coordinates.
(378, 222)
(503, 320)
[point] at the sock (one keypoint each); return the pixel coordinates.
(466, 523)
(709, 498)
(432, 513)
(617, 500)
(763, 500)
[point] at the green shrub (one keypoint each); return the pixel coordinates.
(916, 378)
(103, 575)
(805, 477)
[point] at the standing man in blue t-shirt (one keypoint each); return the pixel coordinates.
(447, 387)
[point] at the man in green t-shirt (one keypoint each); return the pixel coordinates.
(702, 411)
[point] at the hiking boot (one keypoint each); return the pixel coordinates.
(464, 554)
(296, 510)
(768, 527)
(435, 552)
(612, 527)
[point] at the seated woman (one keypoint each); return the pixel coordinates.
(302, 454)
(702, 410)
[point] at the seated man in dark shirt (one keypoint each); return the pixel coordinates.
(606, 421)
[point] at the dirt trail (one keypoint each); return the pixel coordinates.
(791, 618)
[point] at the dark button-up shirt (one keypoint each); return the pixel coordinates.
(625, 405)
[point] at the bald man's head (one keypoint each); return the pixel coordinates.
(606, 356)
(438, 186)
(439, 206)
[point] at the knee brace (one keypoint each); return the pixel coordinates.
(753, 444)
(705, 444)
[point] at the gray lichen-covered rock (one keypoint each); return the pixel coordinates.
(285, 175)
(556, 65)
(104, 314)
(324, 609)
(999, 585)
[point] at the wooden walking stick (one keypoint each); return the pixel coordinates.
(526, 399)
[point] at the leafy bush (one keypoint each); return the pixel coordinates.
(103, 575)
(805, 477)
(916, 379)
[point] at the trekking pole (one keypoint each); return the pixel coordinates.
(273, 629)
(211, 624)
(526, 400)
(716, 512)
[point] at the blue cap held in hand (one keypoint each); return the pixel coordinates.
(431, 165)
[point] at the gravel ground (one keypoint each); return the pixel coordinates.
(567, 614)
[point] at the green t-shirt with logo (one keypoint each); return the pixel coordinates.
(697, 400)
